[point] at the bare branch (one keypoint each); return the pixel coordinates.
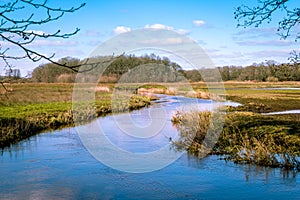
(18, 32)
(265, 12)
(295, 57)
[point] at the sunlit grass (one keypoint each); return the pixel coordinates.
(32, 107)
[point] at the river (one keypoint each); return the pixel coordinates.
(57, 165)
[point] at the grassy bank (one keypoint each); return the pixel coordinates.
(245, 138)
(248, 136)
(31, 108)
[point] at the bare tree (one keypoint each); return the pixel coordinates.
(265, 11)
(17, 21)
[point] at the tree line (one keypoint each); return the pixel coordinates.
(269, 71)
(152, 68)
(126, 68)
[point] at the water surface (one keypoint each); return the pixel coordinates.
(277, 88)
(56, 165)
(286, 112)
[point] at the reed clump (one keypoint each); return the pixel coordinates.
(199, 131)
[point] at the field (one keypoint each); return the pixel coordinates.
(29, 108)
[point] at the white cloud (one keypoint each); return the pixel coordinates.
(254, 34)
(165, 27)
(257, 32)
(284, 53)
(167, 41)
(198, 23)
(266, 43)
(224, 57)
(159, 26)
(121, 29)
(43, 43)
(183, 31)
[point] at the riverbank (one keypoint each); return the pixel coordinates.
(247, 135)
(30, 108)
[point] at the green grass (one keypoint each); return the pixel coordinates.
(30, 108)
(34, 109)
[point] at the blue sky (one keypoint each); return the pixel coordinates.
(210, 23)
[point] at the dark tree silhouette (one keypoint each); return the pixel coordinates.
(17, 21)
(265, 11)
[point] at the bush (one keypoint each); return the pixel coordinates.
(272, 79)
(66, 78)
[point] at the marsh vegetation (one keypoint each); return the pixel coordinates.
(247, 136)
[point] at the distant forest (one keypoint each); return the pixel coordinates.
(136, 69)
(153, 68)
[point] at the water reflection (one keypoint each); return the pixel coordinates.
(17, 149)
(55, 165)
(251, 172)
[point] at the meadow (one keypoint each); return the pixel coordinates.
(29, 108)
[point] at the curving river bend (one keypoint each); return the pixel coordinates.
(56, 165)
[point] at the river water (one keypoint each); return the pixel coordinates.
(57, 165)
